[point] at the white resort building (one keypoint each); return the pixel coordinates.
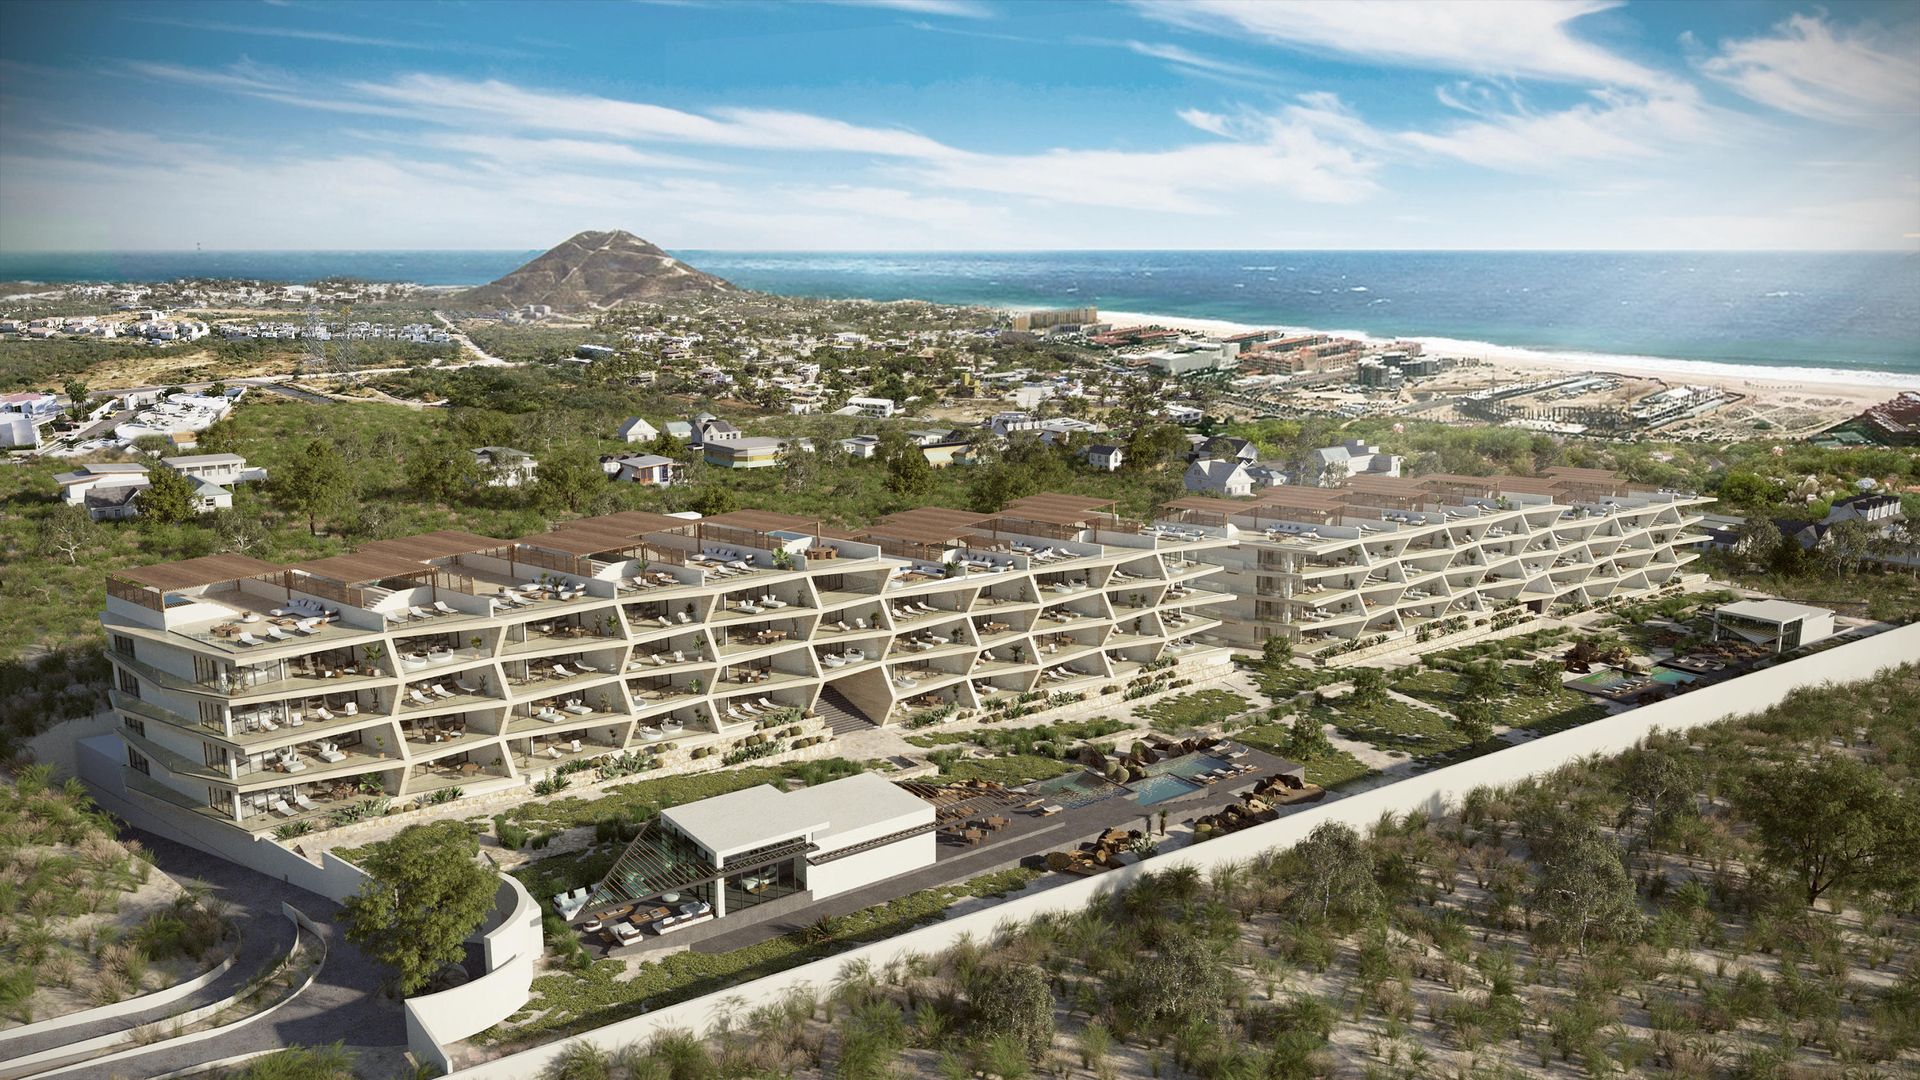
(1387, 555)
(257, 695)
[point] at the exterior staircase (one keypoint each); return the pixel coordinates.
(840, 714)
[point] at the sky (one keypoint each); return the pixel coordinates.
(961, 125)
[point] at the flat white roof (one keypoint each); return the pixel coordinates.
(850, 810)
(741, 820)
(1779, 611)
(857, 804)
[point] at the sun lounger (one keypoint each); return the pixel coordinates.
(414, 695)
(441, 607)
(659, 660)
(419, 612)
(279, 806)
(323, 713)
(683, 617)
(278, 634)
(302, 801)
(462, 686)
(268, 724)
(679, 657)
(560, 672)
(439, 690)
(577, 709)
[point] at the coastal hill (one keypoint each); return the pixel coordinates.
(596, 270)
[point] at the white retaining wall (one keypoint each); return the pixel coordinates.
(1432, 792)
(436, 1021)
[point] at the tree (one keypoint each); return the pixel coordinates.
(1275, 651)
(1749, 491)
(67, 530)
(237, 530)
(1584, 889)
(1483, 679)
(907, 470)
(1474, 718)
(424, 894)
(1665, 782)
(569, 478)
(315, 483)
(77, 391)
(1332, 874)
(442, 470)
(1012, 1000)
(1306, 739)
(168, 497)
(1369, 687)
(1183, 981)
(1544, 676)
(1834, 821)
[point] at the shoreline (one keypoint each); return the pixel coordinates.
(1868, 387)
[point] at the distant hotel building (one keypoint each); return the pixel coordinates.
(1387, 555)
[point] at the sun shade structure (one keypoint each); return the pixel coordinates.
(444, 544)
(197, 573)
(363, 568)
(658, 860)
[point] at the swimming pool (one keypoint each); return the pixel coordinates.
(1075, 790)
(1158, 789)
(1612, 679)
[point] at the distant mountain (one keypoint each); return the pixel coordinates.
(596, 270)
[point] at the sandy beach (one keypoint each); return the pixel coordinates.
(1837, 390)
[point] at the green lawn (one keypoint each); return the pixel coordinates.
(569, 1001)
(1329, 768)
(1198, 708)
(1518, 706)
(1011, 770)
(643, 799)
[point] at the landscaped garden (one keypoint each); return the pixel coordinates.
(1194, 709)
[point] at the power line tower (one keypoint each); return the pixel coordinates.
(343, 349)
(315, 340)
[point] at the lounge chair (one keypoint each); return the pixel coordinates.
(440, 690)
(462, 686)
(351, 708)
(269, 725)
(300, 800)
(679, 657)
(659, 660)
(307, 627)
(294, 720)
(560, 672)
(441, 607)
(248, 639)
(279, 806)
(414, 695)
(323, 713)
(768, 705)
(419, 612)
(683, 617)
(587, 668)
(278, 634)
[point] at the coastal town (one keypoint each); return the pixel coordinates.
(729, 626)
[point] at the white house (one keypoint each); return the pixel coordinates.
(106, 490)
(880, 408)
(222, 469)
(861, 446)
(1105, 458)
(18, 433)
(644, 469)
(504, 466)
(1329, 465)
(637, 430)
(1182, 414)
(1214, 476)
(32, 404)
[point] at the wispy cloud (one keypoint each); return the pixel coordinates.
(427, 43)
(958, 9)
(1612, 125)
(1812, 68)
(1506, 38)
(1189, 62)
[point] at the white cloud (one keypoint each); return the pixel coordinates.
(1285, 155)
(1189, 62)
(459, 102)
(1613, 125)
(1812, 68)
(1495, 38)
(1211, 123)
(958, 9)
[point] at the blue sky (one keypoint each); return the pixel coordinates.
(961, 124)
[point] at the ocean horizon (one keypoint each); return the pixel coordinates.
(1843, 311)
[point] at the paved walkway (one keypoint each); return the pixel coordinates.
(344, 1004)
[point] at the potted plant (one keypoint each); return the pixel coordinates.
(695, 685)
(474, 642)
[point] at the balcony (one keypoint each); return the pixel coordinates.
(321, 759)
(538, 637)
(543, 677)
(548, 751)
(559, 714)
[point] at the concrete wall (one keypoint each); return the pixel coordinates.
(435, 1021)
(1430, 791)
(881, 863)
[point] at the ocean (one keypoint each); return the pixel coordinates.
(1854, 311)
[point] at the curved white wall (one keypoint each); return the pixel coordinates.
(436, 1021)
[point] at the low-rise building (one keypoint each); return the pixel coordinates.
(1781, 625)
(1106, 457)
(651, 469)
(879, 408)
(106, 490)
(1213, 476)
(503, 466)
(635, 429)
(749, 452)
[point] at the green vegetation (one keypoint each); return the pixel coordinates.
(1195, 709)
(332, 1062)
(1011, 770)
(425, 893)
(63, 871)
(1326, 766)
(578, 1000)
(1635, 916)
(644, 799)
(1026, 740)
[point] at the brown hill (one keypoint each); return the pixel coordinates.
(596, 270)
